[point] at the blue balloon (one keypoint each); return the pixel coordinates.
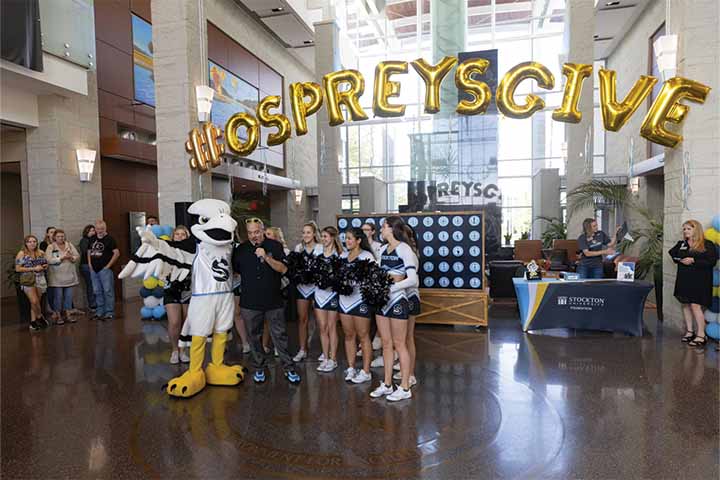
(145, 292)
(716, 222)
(715, 305)
(716, 277)
(158, 292)
(158, 312)
(146, 312)
(157, 230)
(713, 330)
(168, 230)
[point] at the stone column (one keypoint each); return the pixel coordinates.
(51, 189)
(696, 25)
(579, 31)
(545, 199)
(180, 64)
(327, 59)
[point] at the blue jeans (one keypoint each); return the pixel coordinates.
(89, 291)
(589, 271)
(104, 287)
(61, 299)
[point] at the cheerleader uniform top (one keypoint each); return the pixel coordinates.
(322, 297)
(401, 261)
(348, 302)
(306, 290)
(414, 291)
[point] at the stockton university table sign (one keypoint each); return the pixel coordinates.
(306, 98)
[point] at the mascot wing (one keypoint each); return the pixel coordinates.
(156, 258)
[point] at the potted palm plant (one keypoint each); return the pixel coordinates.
(555, 229)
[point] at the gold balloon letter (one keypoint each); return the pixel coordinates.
(433, 76)
(576, 74)
(195, 147)
(478, 90)
(666, 108)
(506, 90)
(348, 97)
(253, 133)
(616, 114)
(214, 148)
(300, 109)
(384, 89)
(273, 120)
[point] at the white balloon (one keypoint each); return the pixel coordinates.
(152, 302)
(711, 317)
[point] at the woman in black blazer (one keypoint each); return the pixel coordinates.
(695, 258)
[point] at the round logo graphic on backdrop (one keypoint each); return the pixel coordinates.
(428, 236)
(428, 221)
(342, 223)
(428, 266)
(474, 220)
(444, 282)
(342, 237)
(356, 222)
(475, 282)
(370, 220)
(381, 222)
(474, 251)
(458, 282)
(443, 251)
(413, 222)
(474, 236)
(474, 267)
(443, 221)
(457, 221)
(429, 282)
(458, 251)
(458, 267)
(443, 267)
(443, 236)
(428, 251)
(457, 236)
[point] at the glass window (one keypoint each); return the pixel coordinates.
(516, 222)
(516, 192)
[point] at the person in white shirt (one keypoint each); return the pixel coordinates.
(326, 302)
(354, 312)
(399, 261)
(309, 244)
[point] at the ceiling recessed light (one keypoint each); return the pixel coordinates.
(280, 9)
(308, 42)
(243, 185)
(596, 36)
(611, 4)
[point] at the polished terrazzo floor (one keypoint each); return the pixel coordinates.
(85, 401)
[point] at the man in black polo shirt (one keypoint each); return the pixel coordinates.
(261, 263)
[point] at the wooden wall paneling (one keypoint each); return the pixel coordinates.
(144, 117)
(114, 70)
(115, 107)
(141, 8)
(113, 25)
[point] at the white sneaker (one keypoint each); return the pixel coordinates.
(277, 354)
(175, 357)
(377, 362)
(321, 358)
(361, 377)
(184, 357)
(330, 365)
(359, 352)
(381, 391)
(398, 377)
(349, 374)
(396, 366)
(300, 356)
(246, 348)
(376, 343)
(322, 366)
(399, 394)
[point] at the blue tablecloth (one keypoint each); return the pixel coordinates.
(608, 305)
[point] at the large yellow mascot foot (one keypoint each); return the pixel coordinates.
(217, 373)
(192, 381)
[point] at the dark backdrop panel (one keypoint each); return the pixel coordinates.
(451, 247)
(21, 33)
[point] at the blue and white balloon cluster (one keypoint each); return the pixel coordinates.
(712, 314)
(153, 290)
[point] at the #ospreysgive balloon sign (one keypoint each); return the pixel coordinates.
(345, 87)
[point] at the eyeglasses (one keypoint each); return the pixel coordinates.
(253, 220)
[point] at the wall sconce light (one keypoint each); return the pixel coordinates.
(297, 195)
(665, 49)
(86, 163)
(204, 97)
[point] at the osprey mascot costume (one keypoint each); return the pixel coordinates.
(212, 308)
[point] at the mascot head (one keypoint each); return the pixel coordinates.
(215, 225)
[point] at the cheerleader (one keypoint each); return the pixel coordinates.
(354, 312)
(413, 295)
(176, 299)
(311, 245)
(326, 303)
(398, 260)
